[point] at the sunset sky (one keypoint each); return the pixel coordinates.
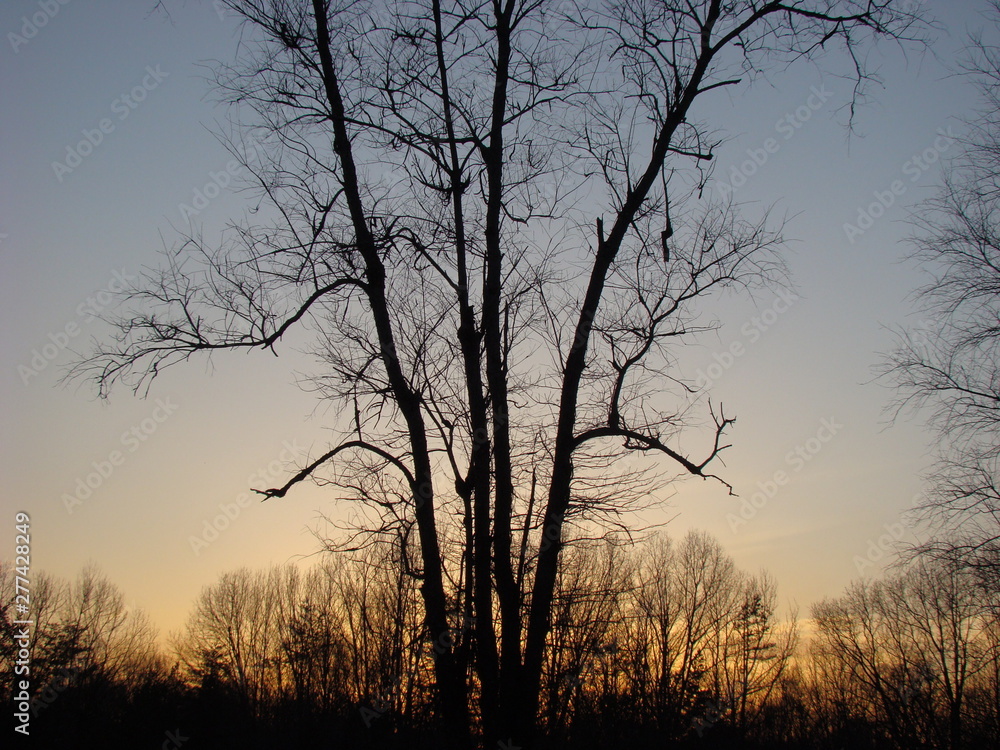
(796, 367)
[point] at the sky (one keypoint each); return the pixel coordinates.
(824, 481)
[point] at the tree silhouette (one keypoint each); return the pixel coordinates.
(948, 364)
(491, 213)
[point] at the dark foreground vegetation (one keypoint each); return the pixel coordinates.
(663, 645)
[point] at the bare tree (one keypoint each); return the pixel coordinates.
(584, 664)
(89, 655)
(949, 364)
(111, 640)
(751, 652)
(53, 642)
(912, 645)
(491, 213)
(686, 596)
(942, 605)
(234, 629)
(878, 673)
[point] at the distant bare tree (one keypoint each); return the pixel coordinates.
(315, 643)
(877, 674)
(235, 633)
(53, 641)
(88, 653)
(751, 652)
(112, 640)
(683, 596)
(910, 647)
(587, 642)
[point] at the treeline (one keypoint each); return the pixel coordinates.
(666, 643)
(95, 671)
